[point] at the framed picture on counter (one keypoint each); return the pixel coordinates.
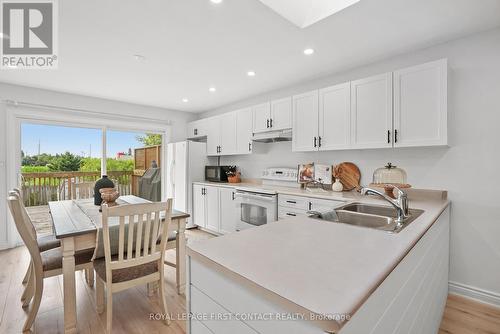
(306, 173)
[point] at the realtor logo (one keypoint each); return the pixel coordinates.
(29, 34)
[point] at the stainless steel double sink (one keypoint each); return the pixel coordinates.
(368, 215)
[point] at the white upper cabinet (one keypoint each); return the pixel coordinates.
(197, 129)
(221, 134)
(272, 116)
(305, 122)
(227, 134)
(371, 112)
(213, 135)
(244, 131)
(261, 117)
(335, 117)
(404, 108)
(281, 114)
(420, 105)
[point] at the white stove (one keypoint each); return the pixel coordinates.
(279, 176)
(259, 206)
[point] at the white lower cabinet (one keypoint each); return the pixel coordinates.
(411, 299)
(229, 213)
(206, 206)
(293, 206)
(199, 214)
(214, 208)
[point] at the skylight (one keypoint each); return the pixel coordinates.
(304, 13)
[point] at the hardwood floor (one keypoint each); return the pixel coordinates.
(464, 316)
(132, 308)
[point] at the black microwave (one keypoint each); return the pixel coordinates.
(216, 173)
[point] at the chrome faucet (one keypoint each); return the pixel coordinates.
(400, 203)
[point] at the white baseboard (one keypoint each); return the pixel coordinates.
(471, 292)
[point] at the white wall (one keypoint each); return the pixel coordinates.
(177, 119)
(469, 169)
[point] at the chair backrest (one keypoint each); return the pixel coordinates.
(139, 228)
(82, 190)
(25, 227)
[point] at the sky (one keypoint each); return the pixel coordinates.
(80, 141)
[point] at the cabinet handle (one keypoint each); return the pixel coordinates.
(271, 123)
(291, 214)
(220, 149)
(232, 195)
(268, 123)
(395, 136)
(315, 140)
(249, 147)
(203, 191)
(388, 136)
(293, 202)
(319, 141)
(310, 206)
(195, 132)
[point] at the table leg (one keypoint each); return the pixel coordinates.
(68, 267)
(181, 256)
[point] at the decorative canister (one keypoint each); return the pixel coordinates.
(103, 182)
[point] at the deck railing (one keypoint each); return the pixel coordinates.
(40, 188)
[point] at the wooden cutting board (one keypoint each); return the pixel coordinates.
(349, 175)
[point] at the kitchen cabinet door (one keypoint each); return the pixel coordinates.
(213, 136)
(371, 113)
(420, 105)
(281, 114)
(261, 117)
(212, 208)
(229, 213)
(244, 131)
(196, 129)
(335, 117)
(305, 122)
(227, 129)
(199, 213)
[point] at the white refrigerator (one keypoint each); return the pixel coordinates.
(186, 162)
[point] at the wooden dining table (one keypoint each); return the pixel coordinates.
(77, 231)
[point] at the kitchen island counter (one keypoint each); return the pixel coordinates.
(324, 269)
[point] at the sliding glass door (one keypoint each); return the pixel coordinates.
(61, 162)
(133, 161)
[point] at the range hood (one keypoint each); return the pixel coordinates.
(273, 136)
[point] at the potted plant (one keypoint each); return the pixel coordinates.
(233, 175)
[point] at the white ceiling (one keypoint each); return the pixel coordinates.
(191, 45)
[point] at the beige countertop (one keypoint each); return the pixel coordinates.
(324, 268)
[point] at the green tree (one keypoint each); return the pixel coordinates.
(94, 165)
(150, 139)
(66, 162)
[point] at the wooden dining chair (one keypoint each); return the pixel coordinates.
(138, 259)
(82, 190)
(44, 264)
(45, 243)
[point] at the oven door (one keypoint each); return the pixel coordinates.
(255, 209)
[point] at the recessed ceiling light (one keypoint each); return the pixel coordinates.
(216, 1)
(139, 57)
(212, 89)
(185, 100)
(251, 73)
(308, 51)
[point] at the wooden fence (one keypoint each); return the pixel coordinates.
(40, 188)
